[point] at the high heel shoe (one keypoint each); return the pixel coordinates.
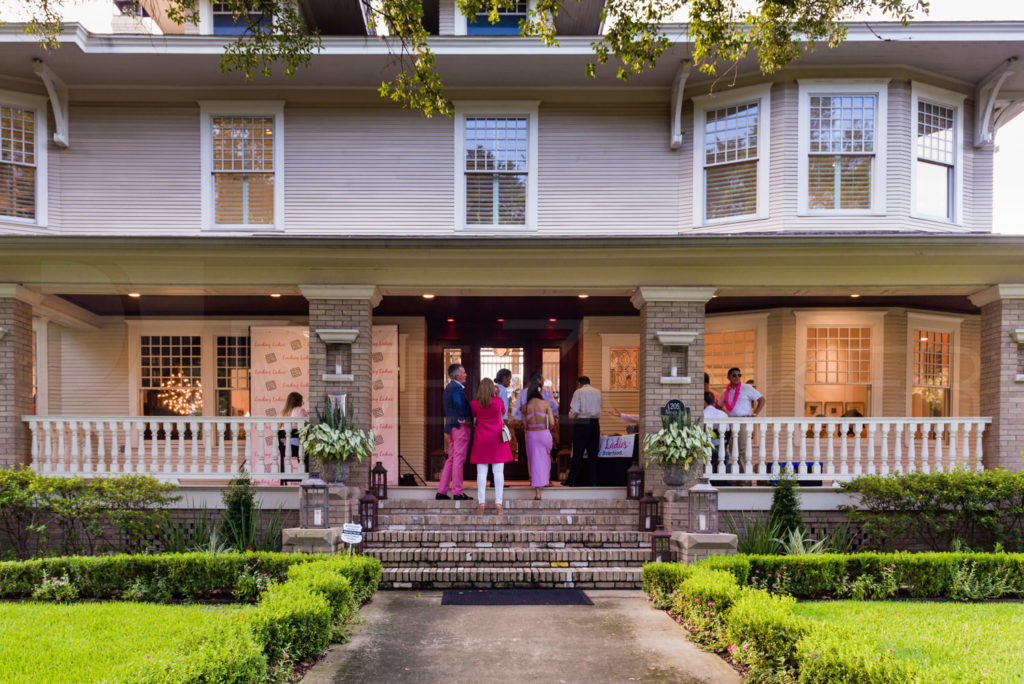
(480, 509)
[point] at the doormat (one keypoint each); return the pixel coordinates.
(515, 597)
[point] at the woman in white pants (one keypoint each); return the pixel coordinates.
(489, 449)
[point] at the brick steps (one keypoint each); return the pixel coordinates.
(511, 578)
(528, 538)
(389, 506)
(471, 521)
(509, 557)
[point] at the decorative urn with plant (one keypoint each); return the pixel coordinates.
(335, 442)
(682, 446)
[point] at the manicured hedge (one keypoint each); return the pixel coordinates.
(917, 575)
(302, 612)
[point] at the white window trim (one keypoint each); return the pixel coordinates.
(609, 340)
(37, 103)
(943, 324)
(705, 103)
(208, 332)
(205, 25)
(211, 108)
(470, 109)
(946, 98)
(846, 318)
(462, 21)
(879, 87)
(758, 322)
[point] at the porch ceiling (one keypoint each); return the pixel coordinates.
(171, 305)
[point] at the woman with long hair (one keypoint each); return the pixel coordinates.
(539, 422)
(290, 441)
(488, 446)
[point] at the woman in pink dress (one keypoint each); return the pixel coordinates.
(539, 421)
(488, 447)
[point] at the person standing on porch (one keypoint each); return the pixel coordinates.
(585, 410)
(489, 449)
(539, 422)
(457, 414)
(740, 400)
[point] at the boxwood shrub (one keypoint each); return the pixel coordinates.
(292, 620)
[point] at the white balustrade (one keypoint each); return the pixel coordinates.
(836, 449)
(175, 448)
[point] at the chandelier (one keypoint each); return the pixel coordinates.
(180, 395)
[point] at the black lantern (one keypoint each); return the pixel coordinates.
(379, 481)
(702, 501)
(314, 511)
(661, 546)
(634, 482)
(650, 513)
(368, 511)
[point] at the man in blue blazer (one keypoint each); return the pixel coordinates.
(458, 418)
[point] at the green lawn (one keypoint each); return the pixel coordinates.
(93, 642)
(947, 642)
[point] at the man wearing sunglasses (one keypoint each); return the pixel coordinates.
(740, 400)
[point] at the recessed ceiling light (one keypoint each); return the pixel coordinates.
(854, 296)
(428, 296)
(134, 295)
(501, 320)
(582, 295)
(451, 320)
(275, 295)
(553, 320)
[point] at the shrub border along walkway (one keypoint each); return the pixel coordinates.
(305, 610)
(727, 604)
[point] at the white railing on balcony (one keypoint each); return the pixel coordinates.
(167, 447)
(836, 449)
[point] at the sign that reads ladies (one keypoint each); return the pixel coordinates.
(384, 397)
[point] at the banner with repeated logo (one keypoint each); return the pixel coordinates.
(280, 366)
(384, 397)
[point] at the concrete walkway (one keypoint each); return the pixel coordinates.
(411, 637)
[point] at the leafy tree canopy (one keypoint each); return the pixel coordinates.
(635, 35)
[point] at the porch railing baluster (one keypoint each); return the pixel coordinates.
(748, 451)
(858, 453)
(180, 426)
(816, 465)
(168, 465)
(208, 448)
(978, 428)
(925, 465)
(954, 432)
(884, 429)
(872, 467)
(193, 444)
(940, 462)
(218, 434)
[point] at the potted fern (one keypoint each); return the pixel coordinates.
(335, 442)
(682, 446)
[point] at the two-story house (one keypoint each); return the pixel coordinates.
(180, 250)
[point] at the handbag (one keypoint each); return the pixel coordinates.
(506, 434)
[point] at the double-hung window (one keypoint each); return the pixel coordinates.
(731, 159)
(226, 23)
(937, 131)
(496, 152)
(243, 188)
(22, 158)
(507, 24)
(842, 139)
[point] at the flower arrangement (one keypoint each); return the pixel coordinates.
(333, 438)
(681, 441)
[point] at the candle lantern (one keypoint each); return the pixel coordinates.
(703, 505)
(368, 511)
(634, 482)
(379, 481)
(315, 503)
(661, 546)
(650, 513)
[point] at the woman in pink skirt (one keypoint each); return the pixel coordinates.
(539, 422)
(488, 447)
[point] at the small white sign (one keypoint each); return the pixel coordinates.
(616, 446)
(352, 533)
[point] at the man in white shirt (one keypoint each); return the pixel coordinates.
(712, 418)
(739, 400)
(585, 410)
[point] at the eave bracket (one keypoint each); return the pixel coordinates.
(58, 93)
(986, 119)
(678, 85)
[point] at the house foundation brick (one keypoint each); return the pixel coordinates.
(15, 376)
(1002, 361)
(342, 307)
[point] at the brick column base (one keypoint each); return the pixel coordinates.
(342, 307)
(1002, 360)
(15, 376)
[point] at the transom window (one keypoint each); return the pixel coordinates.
(936, 159)
(225, 23)
(508, 22)
(730, 160)
(17, 162)
(841, 151)
(932, 382)
(243, 169)
(496, 170)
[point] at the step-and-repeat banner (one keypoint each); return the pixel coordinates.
(280, 366)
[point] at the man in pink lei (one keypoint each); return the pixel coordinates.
(740, 400)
